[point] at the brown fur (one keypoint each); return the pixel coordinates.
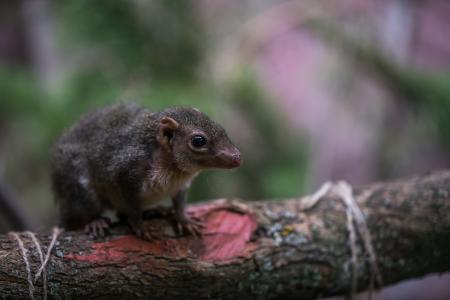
(126, 157)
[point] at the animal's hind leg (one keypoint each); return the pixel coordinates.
(97, 227)
(81, 209)
(78, 203)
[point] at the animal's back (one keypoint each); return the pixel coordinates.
(88, 153)
(99, 125)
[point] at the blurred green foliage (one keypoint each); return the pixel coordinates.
(159, 39)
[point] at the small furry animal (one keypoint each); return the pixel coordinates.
(125, 158)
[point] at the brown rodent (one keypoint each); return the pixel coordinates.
(125, 157)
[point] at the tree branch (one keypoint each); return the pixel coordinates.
(265, 249)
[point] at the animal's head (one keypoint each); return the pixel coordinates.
(194, 141)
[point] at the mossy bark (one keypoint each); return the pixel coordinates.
(257, 250)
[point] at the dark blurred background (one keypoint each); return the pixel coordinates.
(309, 91)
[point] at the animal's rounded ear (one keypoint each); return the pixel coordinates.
(167, 127)
(169, 123)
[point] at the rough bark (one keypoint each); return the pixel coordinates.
(257, 250)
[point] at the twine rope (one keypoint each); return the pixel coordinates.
(355, 216)
(44, 260)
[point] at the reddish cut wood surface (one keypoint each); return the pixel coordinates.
(226, 236)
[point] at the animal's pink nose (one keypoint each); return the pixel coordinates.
(236, 160)
(230, 158)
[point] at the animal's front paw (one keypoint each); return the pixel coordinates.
(187, 225)
(142, 230)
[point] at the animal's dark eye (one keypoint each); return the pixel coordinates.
(198, 141)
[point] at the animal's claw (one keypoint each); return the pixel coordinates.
(97, 228)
